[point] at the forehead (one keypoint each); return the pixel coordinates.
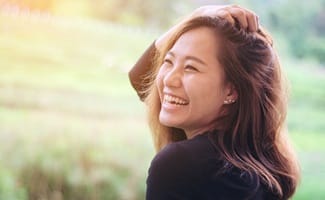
(202, 41)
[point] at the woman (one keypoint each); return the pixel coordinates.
(217, 107)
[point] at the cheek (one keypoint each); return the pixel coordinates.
(159, 82)
(210, 95)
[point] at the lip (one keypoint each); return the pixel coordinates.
(171, 107)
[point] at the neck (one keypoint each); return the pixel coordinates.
(194, 132)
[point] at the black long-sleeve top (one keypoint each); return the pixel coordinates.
(193, 169)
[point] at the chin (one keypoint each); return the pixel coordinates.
(168, 122)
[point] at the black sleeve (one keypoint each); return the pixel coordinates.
(141, 68)
(171, 175)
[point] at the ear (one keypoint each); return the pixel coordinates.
(231, 94)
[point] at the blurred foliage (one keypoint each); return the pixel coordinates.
(71, 126)
(131, 12)
(8, 186)
(302, 23)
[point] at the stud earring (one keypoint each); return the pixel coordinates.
(229, 101)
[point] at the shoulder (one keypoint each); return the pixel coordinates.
(172, 161)
(174, 171)
(183, 156)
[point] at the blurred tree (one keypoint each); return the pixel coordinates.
(301, 23)
(320, 22)
(72, 8)
(40, 5)
(139, 12)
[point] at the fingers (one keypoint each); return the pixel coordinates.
(226, 15)
(240, 16)
(246, 18)
(252, 20)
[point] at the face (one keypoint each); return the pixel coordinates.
(191, 83)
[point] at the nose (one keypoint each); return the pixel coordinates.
(173, 78)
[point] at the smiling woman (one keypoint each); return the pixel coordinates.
(217, 107)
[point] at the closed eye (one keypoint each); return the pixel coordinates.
(166, 60)
(191, 68)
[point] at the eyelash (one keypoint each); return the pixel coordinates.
(166, 60)
(190, 67)
(187, 67)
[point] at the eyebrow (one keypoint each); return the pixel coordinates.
(189, 58)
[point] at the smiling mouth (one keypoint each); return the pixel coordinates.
(175, 100)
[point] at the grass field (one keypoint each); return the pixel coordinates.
(71, 126)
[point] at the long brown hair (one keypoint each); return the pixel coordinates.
(251, 132)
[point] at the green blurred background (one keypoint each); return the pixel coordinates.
(71, 126)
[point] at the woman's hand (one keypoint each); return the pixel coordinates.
(246, 18)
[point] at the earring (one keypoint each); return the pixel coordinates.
(229, 101)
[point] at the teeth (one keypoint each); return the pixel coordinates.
(174, 100)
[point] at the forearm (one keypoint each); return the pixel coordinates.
(142, 67)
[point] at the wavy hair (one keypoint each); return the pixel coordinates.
(251, 133)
